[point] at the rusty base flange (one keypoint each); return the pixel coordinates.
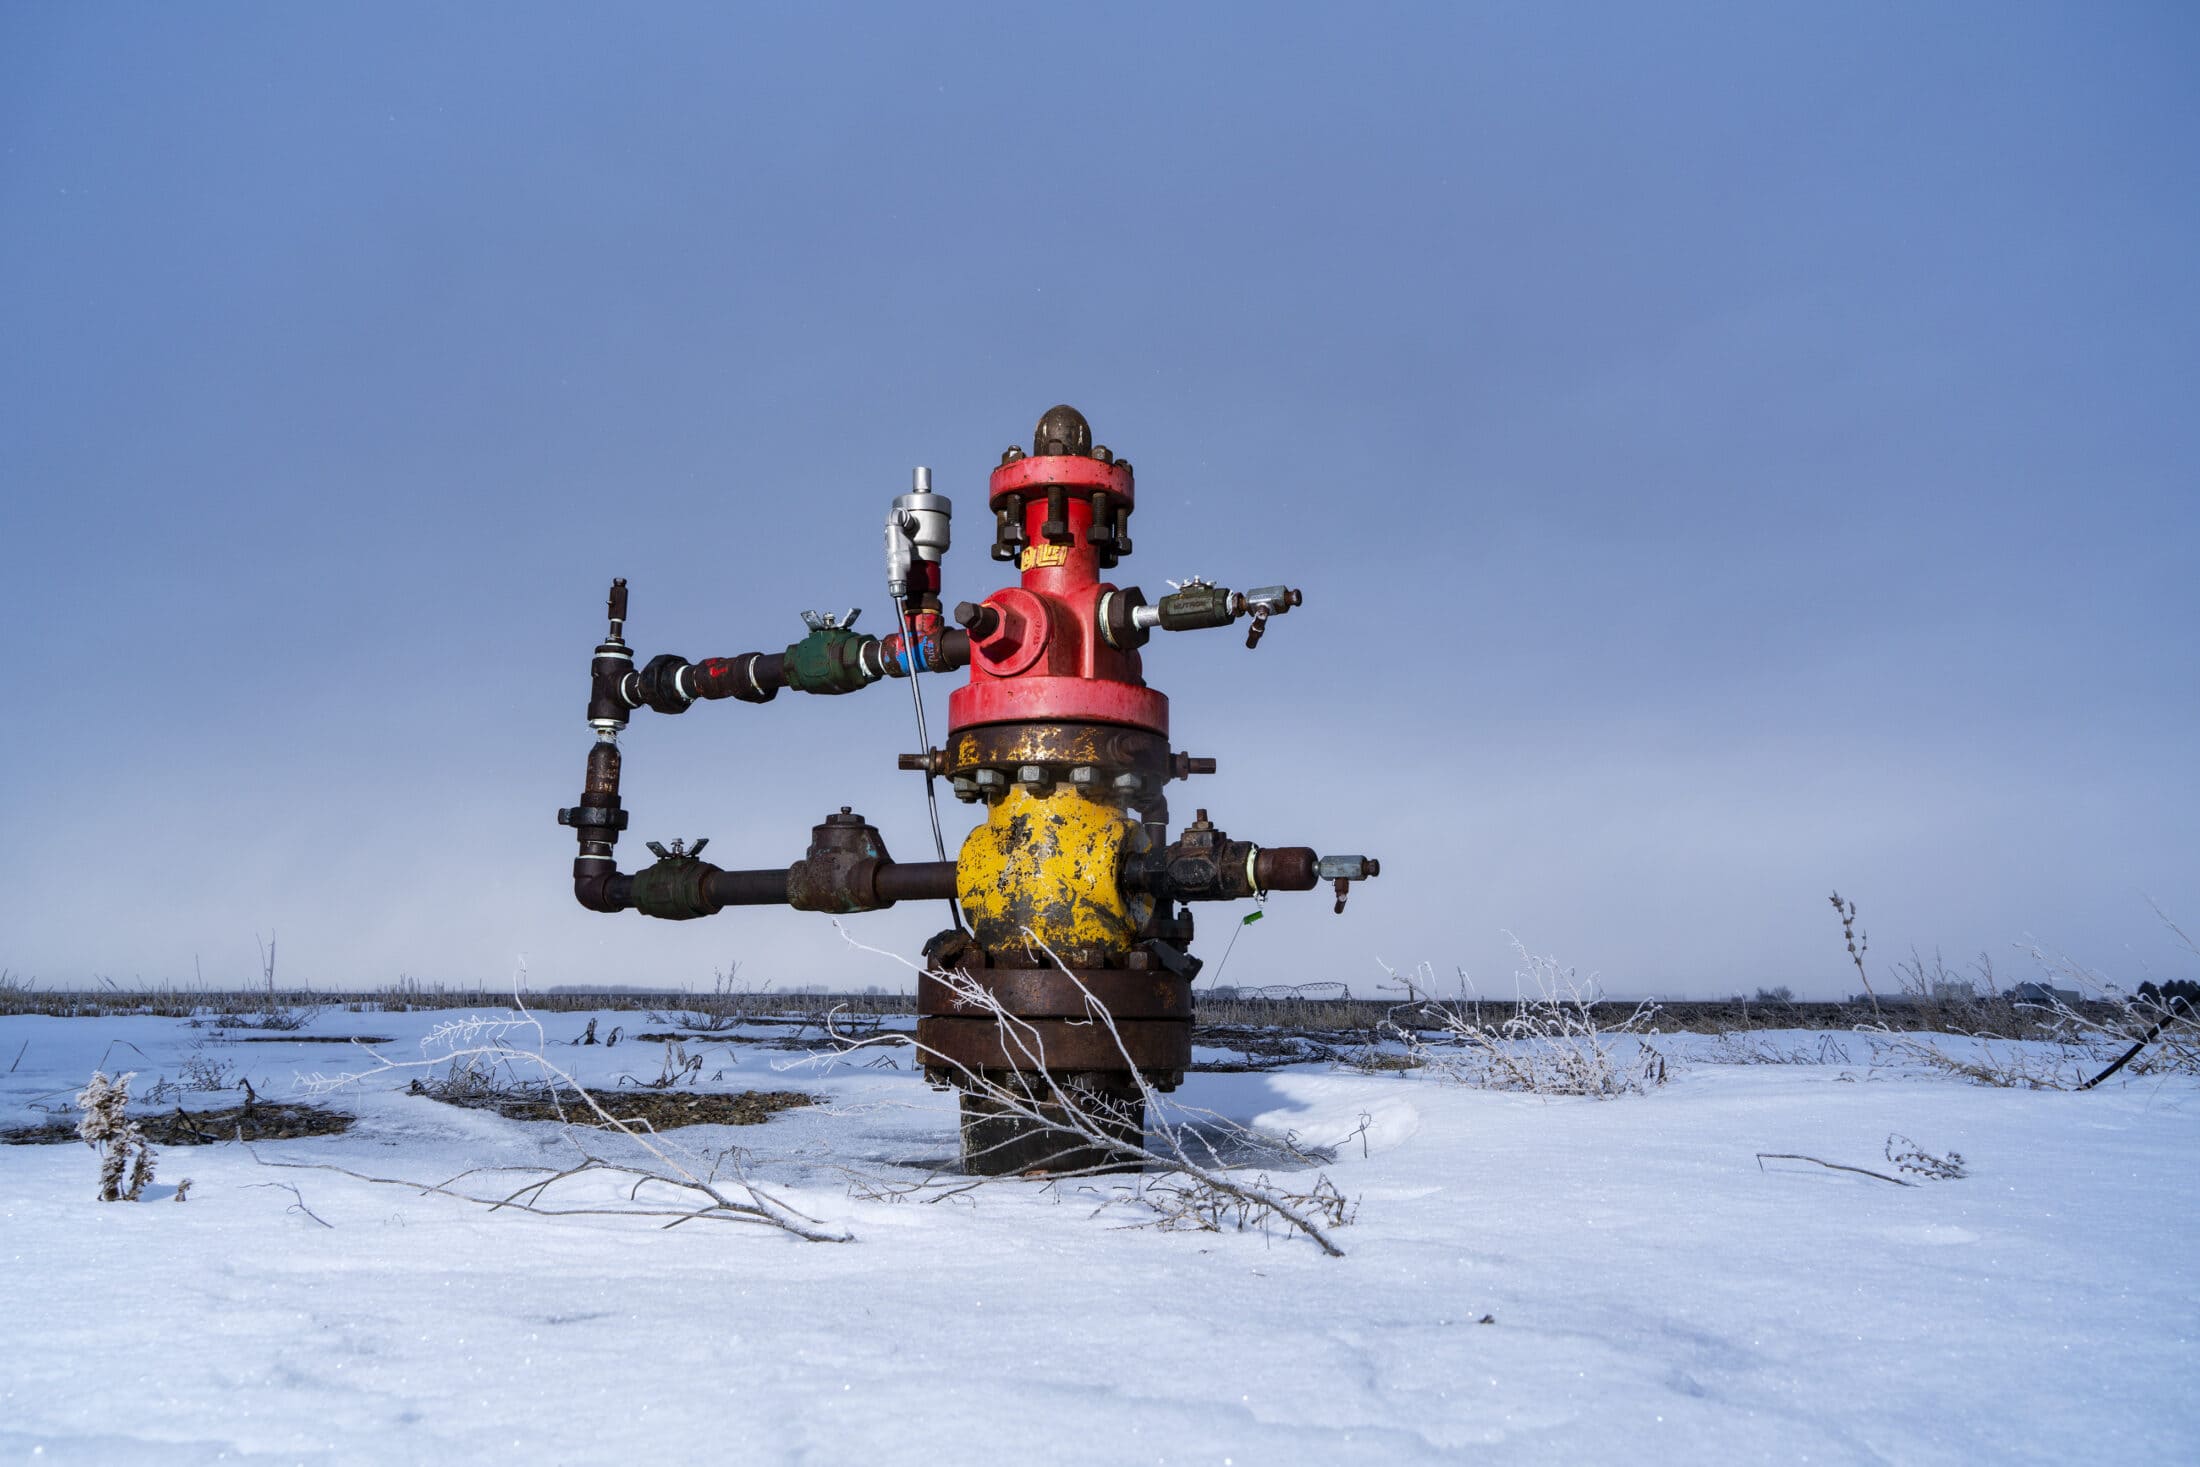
(1160, 1048)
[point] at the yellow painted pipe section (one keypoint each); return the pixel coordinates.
(1049, 863)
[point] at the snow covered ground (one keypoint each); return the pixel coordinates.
(1528, 1280)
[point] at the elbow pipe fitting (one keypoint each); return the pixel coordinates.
(599, 885)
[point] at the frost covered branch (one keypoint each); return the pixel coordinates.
(478, 1061)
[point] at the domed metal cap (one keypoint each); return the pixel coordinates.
(1062, 431)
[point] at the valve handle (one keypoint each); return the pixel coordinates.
(679, 848)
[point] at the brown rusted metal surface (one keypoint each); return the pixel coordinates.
(1286, 868)
(998, 1142)
(1052, 993)
(1158, 1047)
(838, 873)
(1111, 748)
(914, 881)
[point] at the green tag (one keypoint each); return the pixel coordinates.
(1250, 918)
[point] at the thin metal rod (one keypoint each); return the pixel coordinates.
(915, 658)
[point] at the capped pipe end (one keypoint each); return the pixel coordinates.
(1063, 430)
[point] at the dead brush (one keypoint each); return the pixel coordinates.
(201, 1074)
(664, 1180)
(728, 1005)
(2040, 1043)
(1982, 1060)
(1552, 1043)
(1757, 1049)
(17, 995)
(1185, 1205)
(125, 1157)
(1189, 1174)
(1913, 1160)
(679, 1068)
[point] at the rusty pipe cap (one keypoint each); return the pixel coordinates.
(1063, 430)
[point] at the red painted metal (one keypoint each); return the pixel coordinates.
(1045, 659)
(1079, 475)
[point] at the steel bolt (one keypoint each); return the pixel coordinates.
(1128, 782)
(988, 778)
(1084, 774)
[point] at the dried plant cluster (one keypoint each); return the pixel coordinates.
(2068, 1029)
(481, 1062)
(1551, 1041)
(125, 1156)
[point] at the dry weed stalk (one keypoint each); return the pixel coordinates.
(1858, 945)
(125, 1156)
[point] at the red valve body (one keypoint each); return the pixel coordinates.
(1046, 660)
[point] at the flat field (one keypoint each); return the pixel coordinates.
(1527, 1278)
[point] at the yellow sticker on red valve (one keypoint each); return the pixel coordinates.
(1043, 555)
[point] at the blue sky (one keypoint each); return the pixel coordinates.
(1730, 453)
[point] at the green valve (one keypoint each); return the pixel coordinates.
(829, 660)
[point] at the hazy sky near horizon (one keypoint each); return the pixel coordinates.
(1730, 452)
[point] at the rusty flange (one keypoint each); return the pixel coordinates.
(1160, 1048)
(1050, 993)
(1059, 747)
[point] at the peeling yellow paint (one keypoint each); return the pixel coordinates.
(1049, 863)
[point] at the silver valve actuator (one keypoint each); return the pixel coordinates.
(916, 530)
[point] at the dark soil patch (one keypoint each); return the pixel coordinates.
(662, 1110)
(264, 1120)
(307, 1038)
